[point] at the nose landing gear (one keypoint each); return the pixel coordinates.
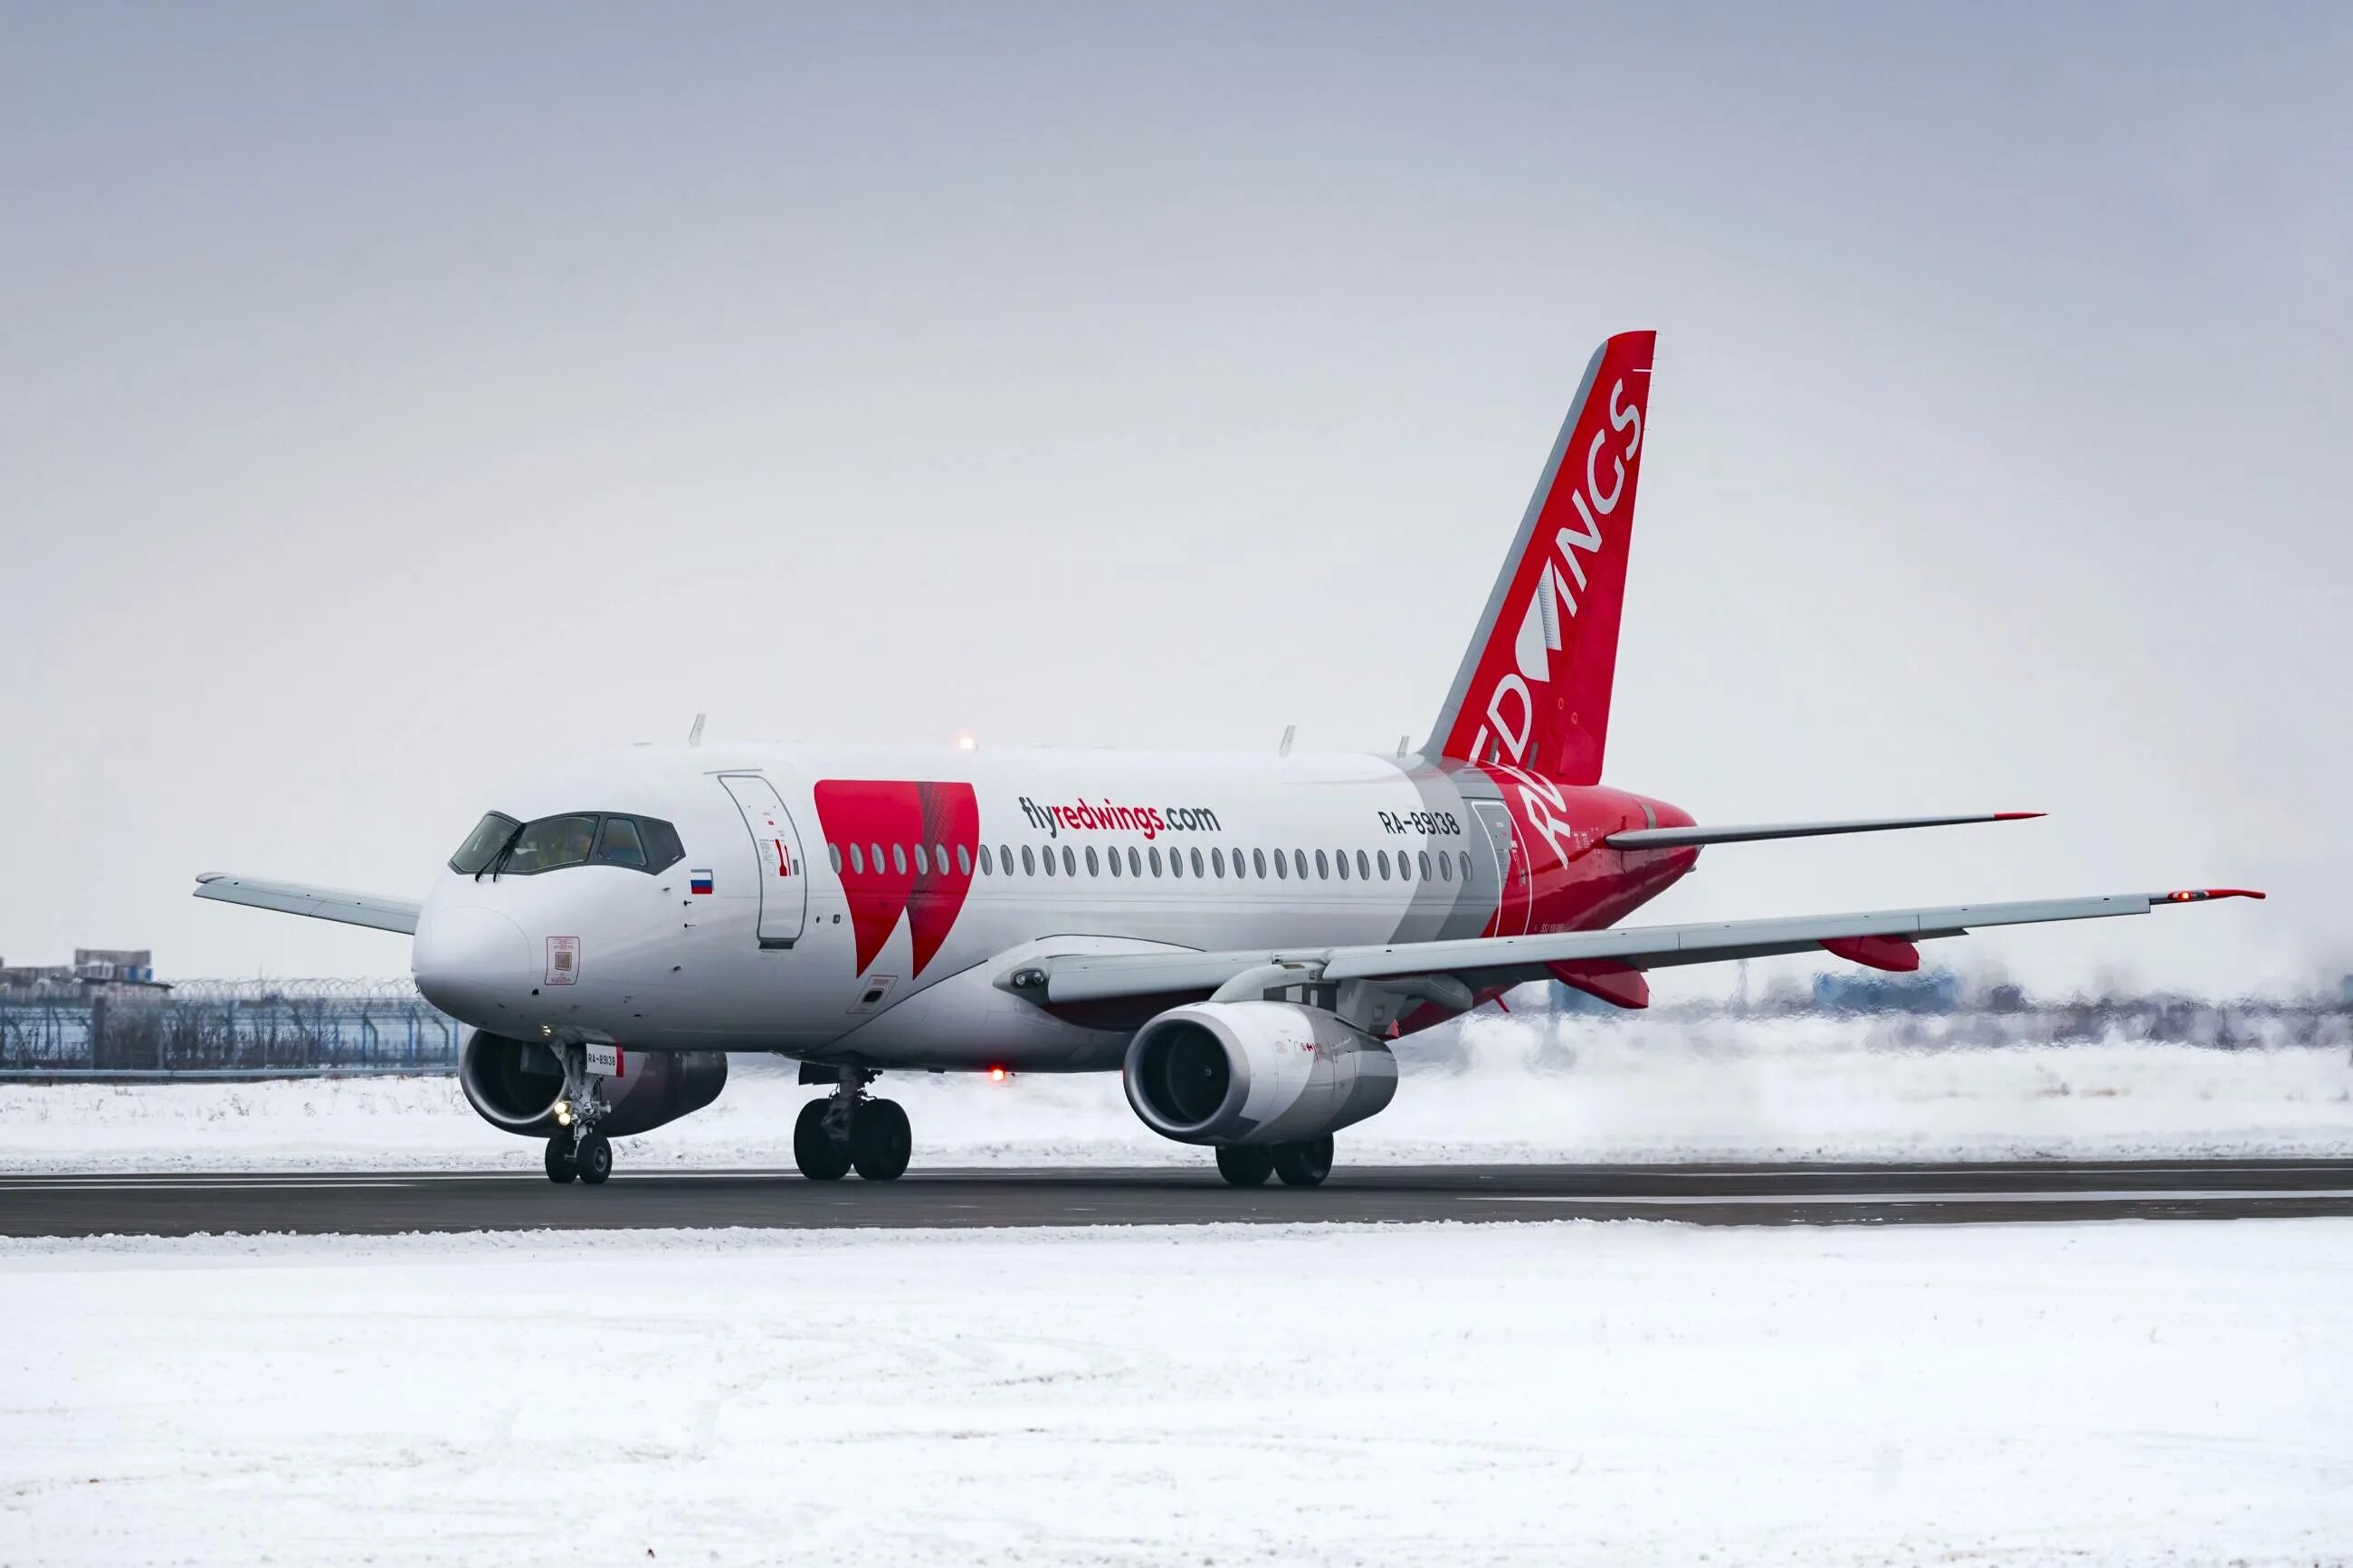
(847, 1130)
(577, 1151)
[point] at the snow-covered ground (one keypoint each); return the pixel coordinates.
(1538, 1394)
(1631, 1089)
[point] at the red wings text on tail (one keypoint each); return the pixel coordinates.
(1534, 688)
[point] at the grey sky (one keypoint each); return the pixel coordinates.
(390, 397)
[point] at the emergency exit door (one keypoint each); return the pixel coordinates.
(776, 847)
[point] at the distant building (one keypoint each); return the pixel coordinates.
(104, 968)
(1934, 991)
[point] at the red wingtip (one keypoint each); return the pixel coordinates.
(2199, 895)
(2017, 816)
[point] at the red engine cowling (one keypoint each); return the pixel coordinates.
(513, 1085)
(1254, 1072)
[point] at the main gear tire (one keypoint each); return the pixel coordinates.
(561, 1169)
(814, 1149)
(1304, 1164)
(1245, 1165)
(881, 1142)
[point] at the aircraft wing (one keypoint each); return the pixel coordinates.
(1882, 939)
(319, 903)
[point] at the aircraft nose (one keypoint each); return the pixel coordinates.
(472, 964)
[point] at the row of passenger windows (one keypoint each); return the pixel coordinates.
(1036, 861)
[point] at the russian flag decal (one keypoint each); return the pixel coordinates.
(698, 882)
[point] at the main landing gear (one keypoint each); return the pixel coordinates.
(1298, 1164)
(847, 1130)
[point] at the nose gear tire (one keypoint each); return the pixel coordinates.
(594, 1159)
(560, 1168)
(814, 1150)
(1304, 1164)
(1245, 1166)
(879, 1140)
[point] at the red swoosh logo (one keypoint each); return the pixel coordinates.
(887, 818)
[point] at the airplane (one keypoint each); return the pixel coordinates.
(1242, 937)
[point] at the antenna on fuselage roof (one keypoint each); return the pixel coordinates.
(694, 731)
(1403, 741)
(1288, 731)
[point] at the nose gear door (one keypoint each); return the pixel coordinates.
(784, 881)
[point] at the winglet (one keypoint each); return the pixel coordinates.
(2017, 816)
(2199, 895)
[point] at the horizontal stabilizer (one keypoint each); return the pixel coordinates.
(1745, 833)
(319, 903)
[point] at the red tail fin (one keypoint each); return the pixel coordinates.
(1534, 688)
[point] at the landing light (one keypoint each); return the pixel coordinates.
(967, 743)
(998, 1075)
(563, 1114)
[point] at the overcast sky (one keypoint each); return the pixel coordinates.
(390, 397)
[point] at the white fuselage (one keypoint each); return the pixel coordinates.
(865, 913)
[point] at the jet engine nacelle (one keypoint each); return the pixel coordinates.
(513, 1085)
(1254, 1072)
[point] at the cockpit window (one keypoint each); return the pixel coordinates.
(549, 843)
(575, 838)
(482, 845)
(619, 844)
(663, 850)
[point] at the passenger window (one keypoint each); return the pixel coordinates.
(1466, 865)
(1135, 861)
(1382, 860)
(1093, 868)
(986, 868)
(1197, 863)
(1282, 864)
(1070, 862)
(1217, 862)
(876, 851)
(1028, 865)
(1112, 855)
(964, 861)
(940, 858)
(1257, 863)
(833, 856)
(1005, 858)
(549, 843)
(1424, 858)
(1155, 860)
(1323, 868)
(1363, 868)
(922, 865)
(899, 860)
(857, 860)
(1445, 867)
(617, 844)
(1176, 862)
(1340, 863)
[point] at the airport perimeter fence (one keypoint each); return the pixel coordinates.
(228, 1029)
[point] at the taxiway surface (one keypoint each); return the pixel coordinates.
(393, 1202)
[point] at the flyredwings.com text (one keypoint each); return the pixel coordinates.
(1103, 816)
